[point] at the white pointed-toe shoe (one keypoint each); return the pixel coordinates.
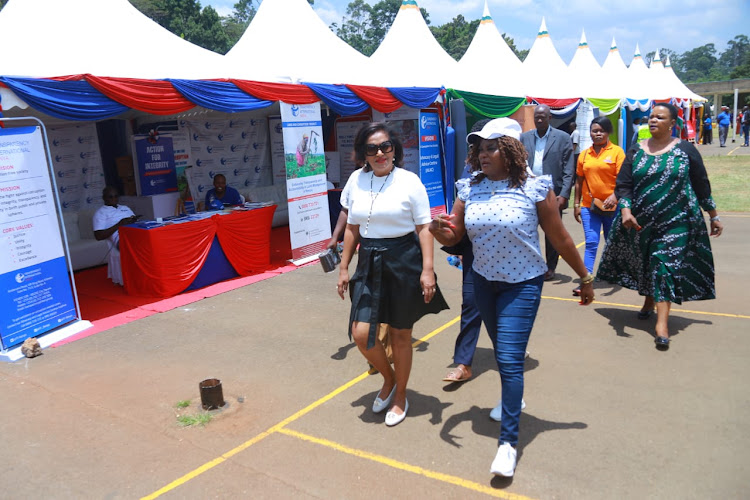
(392, 418)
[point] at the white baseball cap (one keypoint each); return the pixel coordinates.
(499, 127)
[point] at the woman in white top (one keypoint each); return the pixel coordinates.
(500, 208)
(394, 282)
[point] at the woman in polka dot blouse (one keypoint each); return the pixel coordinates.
(500, 208)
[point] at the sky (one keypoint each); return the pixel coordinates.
(679, 25)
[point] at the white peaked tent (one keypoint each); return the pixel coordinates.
(108, 38)
(489, 66)
(668, 82)
(587, 74)
(545, 73)
(639, 82)
(409, 56)
(287, 42)
(614, 67)
(680, 88)
(657, 77)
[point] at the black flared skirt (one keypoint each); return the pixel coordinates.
(385, 287)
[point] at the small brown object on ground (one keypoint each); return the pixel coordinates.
(31, 348)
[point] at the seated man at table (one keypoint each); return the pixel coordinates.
(221, 194)
(110, 217)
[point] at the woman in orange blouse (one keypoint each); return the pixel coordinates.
(596, 174)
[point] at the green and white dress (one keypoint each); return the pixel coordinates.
(670, 257)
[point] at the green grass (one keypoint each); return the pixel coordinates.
(730, 182)
(183, 404)
(199, 419)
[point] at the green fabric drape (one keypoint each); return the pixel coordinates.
(488, 105)
(606, 106)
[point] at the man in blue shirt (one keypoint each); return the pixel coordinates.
(221, 193)
(724, 122)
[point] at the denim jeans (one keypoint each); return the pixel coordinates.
(471, 323)
(592, 226)
(745, 131)
(508, 311)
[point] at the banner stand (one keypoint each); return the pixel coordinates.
(38, 277)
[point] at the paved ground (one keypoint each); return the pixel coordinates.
(608, 416)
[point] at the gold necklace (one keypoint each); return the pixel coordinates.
(374, 196)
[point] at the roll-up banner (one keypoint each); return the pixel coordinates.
(36, 291)
(419, 131)
(309, 222)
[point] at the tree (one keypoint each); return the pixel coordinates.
(699, 64)
(238, 21)
(355, 27)
(736, 54)
(186, 19)
(455, 36)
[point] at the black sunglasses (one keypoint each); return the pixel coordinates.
(372, 149)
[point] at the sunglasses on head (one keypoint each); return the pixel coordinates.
(372, 149)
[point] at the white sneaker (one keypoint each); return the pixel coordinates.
(497, 412)
(505, 461)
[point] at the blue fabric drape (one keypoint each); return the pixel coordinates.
(67, 100)
(415, 97)
(339, 98)
(219, 96)
(450, 167)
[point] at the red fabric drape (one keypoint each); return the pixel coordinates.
(246, 246)
(287, 92)
(151, 96)
(377, 97)
(164, 261)
(554, 103)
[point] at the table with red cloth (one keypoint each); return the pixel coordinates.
(164, 261)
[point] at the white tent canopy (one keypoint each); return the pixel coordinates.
(489, 66)
(669, 82)
(638, 81)
(287, 42)
(545, 73)
(587, 73)
(409, 56)
(108, 38)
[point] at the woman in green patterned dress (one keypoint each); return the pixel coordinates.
(659, 244)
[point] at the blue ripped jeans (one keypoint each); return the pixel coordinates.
(592, 226)
(508, 311)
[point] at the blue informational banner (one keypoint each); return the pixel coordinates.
(430, 165)
(156, 165)
(307, 192)
(36, 293)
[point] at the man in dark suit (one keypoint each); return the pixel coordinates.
(551, 153)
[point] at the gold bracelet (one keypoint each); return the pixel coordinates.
(589, 278)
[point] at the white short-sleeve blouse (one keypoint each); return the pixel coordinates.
(395, 204)
(502, 225)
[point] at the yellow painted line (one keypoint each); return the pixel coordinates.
(732, 151)
(436, 331)
(446, 478)
(280, 426)
(600, 303)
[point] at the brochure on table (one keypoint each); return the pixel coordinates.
(36, 292)
(309, 222)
